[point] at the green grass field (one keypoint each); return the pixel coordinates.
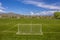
(50, 28)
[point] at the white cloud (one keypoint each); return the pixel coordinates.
(1, 8)
(47, 12)
(32, 13)
(44, 13)
(42, 4)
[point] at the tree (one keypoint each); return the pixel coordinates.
(57, 15)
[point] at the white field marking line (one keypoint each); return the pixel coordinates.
(10, 28)
(36, 24)
(43, 32)
(29, 24)
(51, 32)
(10, 31)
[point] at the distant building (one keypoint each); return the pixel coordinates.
(0, 16)
(18, 17)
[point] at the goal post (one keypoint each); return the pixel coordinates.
(18, 31)
(29, 29)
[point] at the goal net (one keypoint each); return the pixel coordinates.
(29, 29)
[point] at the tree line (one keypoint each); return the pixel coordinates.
(57, 15)
(13, 15)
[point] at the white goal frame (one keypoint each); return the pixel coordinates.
(30, 33)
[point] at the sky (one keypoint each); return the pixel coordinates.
(27, 7)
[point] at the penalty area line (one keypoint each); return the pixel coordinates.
(10, 28)
(9, 31)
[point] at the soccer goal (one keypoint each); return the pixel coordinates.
(29, 29)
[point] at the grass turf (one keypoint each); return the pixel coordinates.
(49, 25)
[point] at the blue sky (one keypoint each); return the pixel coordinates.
(37, 7)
